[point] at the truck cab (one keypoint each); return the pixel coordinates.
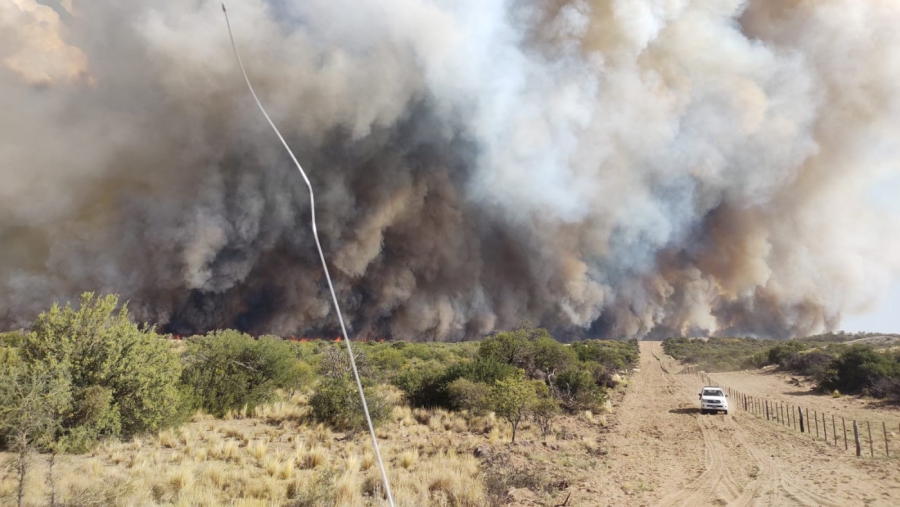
(713, 400)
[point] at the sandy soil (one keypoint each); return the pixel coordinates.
(661, 451)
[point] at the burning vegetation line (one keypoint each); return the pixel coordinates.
(312, 208)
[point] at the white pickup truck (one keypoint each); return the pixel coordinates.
(713, 399)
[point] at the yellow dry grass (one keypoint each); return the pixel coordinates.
(276, 457)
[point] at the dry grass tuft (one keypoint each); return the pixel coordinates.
(314, 458)
(368, 460)
(180, 478)
(167, 439)
(408, 458)
(257, 449)
(348, 491)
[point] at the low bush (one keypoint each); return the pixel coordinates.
(336, 402)
(861, 368)
(810, 364)
(613, 355)
(577, 390)
(228, 370)
(467, 395)
(121, 379)
(784, 351)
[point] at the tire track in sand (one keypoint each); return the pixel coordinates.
(737, 473)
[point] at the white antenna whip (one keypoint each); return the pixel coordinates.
(337, 307)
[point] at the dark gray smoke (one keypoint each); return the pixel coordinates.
(605, 168)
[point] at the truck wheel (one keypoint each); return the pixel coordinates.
(726, 412)
(702, 411)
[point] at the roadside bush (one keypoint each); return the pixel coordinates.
(336, 402)
(123, 379)
(577, 390)
(811, 364)
(552, 357)
(601, 375)
(886, 388)
(725, 354)
(860, 368)
(227, 370)
(614, 355)
(781, 353)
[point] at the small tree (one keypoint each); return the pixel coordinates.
(227, 370)
(122, 378)
(32, 403)
(552, 357)
(336, 402)
(512, 399)
(514, 347)
(467, 395)
(545, 408)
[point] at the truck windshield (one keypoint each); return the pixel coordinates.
(712, 392)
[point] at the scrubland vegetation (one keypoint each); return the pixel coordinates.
(95, 410)
(832, 360)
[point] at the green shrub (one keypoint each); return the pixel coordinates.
(13, 339)
(228, 370)
(781, 353)
(810, 364)
(550, 356)
(614, 355)
(545, 408)
(387, 360)
(577, 390)
(512, 398)
(427, 385)
(514, 347)
(336, 402)
(123, 379)
(860, 368)
(467, 395)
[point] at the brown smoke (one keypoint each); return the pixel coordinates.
(605, 168)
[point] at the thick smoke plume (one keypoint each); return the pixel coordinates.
(604, 168)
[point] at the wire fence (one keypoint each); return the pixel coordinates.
(861, 437)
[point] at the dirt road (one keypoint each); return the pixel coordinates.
(663, 452)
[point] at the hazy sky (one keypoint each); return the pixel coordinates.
(885, 317)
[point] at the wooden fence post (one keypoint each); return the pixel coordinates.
(887, 450)
(767, 411)
(844, 425)
(825, 427)
(834, 429)
(871, 448)
(802, 426)
(856, 439)
(816, 417)
(808, 428)
(793, 417)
